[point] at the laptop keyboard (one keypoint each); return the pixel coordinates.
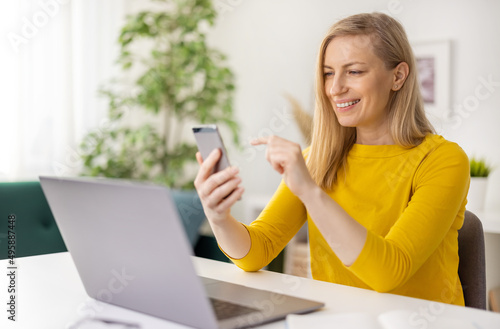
(225, 310)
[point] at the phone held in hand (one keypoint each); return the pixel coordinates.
(208, 138)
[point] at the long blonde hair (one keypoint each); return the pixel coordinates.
(408, 124)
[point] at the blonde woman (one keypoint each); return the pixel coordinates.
(382, 194)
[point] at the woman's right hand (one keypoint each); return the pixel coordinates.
(219, 191)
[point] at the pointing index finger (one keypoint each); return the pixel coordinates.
(259, 141)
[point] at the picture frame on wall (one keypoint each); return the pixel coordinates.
(433, 66)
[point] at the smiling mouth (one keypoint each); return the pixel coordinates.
(346, 104)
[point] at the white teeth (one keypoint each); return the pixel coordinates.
(347, 103)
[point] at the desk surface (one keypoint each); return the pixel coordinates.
(52, 296)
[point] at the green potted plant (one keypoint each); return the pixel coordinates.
(479, 172)
(182, 81)
(178, 81)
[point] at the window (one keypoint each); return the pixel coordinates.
(54, 56)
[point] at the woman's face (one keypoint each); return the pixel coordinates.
(357, 83)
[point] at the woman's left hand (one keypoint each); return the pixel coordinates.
(287, 159)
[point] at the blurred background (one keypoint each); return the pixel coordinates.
(56, 55)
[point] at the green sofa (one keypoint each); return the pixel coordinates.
(35, 229)
(37, 233)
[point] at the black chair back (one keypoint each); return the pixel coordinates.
(471, 268)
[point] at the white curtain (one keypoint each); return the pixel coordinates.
(54, 55)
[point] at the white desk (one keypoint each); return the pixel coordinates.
(52, 296)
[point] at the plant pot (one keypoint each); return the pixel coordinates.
(477, 194)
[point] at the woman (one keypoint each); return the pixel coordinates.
(383, 195)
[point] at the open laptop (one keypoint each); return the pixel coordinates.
(130, 249)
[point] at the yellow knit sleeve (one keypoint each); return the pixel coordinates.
(280, 220)
(434, 213)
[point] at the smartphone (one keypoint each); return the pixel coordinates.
(208, 138)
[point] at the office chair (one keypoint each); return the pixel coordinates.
(471, 267)
(35, 229)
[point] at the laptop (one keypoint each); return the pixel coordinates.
(131, 250)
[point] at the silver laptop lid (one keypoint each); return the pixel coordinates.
(125, 238)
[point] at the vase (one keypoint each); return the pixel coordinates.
(477, 194)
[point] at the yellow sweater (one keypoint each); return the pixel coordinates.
(412, 202)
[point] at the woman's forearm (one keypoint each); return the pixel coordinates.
(232, 237)
(344, 235)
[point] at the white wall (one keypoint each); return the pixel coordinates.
(272, 48)
(473, 30)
